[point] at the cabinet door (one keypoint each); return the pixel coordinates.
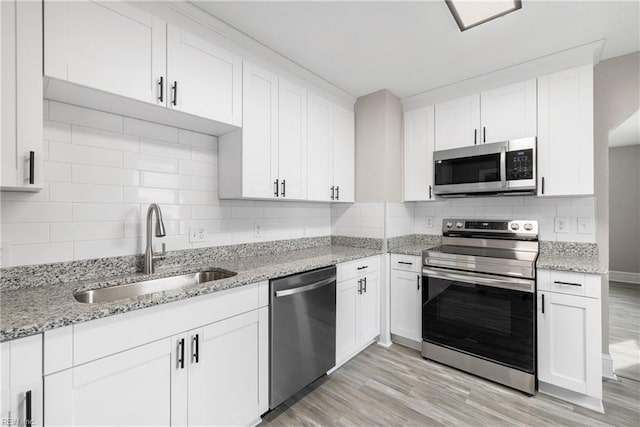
(406, 304)
(569, 342)
(509, 112)
(418, 154)
(259, 132)
(21, 94)
(343, 128)
(565, 132)
(224, 386)
(347, 319)
(320, 150)
(292, 140)
(128, 388)
(457, 122)
(21, 381)
(369, 308)
(111, 46)
(208, 78)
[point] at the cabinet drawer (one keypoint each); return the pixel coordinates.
(569, 282)
(349, 270)
(406, 262)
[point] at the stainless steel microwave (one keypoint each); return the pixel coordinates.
(500, 168)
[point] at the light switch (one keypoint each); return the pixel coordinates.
(585, 225)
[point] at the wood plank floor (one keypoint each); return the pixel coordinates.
(395, 386)
(624, 329)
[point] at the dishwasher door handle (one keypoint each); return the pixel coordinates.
(305, 288)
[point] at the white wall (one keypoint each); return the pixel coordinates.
(102, 171)
(544, 210)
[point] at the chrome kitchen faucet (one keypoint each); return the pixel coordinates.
(149, 255)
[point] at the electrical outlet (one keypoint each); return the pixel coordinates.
(257, 231)
(428, 222)
(585, 225)
(561, 225)
(196, 234)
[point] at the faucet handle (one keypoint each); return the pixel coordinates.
(163, 254)
(164, 249)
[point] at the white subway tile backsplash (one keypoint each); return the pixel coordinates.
(150, 195)
(57, 171)
(74, 115)
(190, 167)
(210, 212)
(71, 192)
(204, 183)
(198, 197)
(104, 139)
(24, 233)
(105, 212)
(13, 212)
(164, 149)
(56, 131)
(79, 154)
(89, 249)
(78, 231)
(165, 180)
(150, 163)
(104, 175)
(196, 139)
(150, 130)
(40, 253)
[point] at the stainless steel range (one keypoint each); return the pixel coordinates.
(478, 300)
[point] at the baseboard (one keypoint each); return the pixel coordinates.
(607, 367)
(407, 342)
(624, 276)
(588, 402)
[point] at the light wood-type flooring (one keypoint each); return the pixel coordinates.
(395, 386)
(624, 329)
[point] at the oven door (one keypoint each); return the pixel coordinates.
(475, 169)
(488, 316)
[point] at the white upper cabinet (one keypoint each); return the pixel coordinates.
(457, 122)
(565, 133)
(331, 149)
(203, 79)
(320, 150)
(110, 46)
(508, 112)
(418, 154)
(343, 138)
(21, 95)
(292, 140)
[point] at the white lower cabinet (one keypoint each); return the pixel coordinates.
(21, 381)
(406, 299)
(357, 310)
(569, 337)
(215, 374)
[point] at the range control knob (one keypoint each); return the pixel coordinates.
(514, 226)
(459, 224)
(449, 224)
(528, 227)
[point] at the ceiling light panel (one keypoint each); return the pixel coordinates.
(470, 13)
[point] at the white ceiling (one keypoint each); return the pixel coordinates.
(627, 133)
(411, 47)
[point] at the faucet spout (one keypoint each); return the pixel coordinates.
(149, 256)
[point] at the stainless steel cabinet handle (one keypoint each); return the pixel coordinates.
(337, 192)
(418, 281)
(333, 192)
(161, 85)
(484, 134)
(475, 136)
(27, 416)
(276, 185)
(542, 303)
(363, 267)
(429, 192)
(567, 283)
(306, 288)
(543, 185)
(360, 286)
(195, 350)
(405, 263)
(365, 284)
(32, 167)
(283, 188)
(180, 358)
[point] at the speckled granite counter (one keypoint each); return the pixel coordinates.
(413, 244)
(569, 256)
(35, 309)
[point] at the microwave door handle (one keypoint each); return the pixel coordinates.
(503, 166)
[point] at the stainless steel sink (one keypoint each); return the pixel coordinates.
(132, 290)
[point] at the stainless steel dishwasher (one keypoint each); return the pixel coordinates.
(303, 331)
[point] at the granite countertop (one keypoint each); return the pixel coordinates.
(32, 310)
(571, 262)
(413, 244)
(413, 249)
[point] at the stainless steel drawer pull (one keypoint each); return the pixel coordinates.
(418, 281)
(405, 263)
(27, 416)
(363, 267)
(567, 283)
(195, 348)
(180, 358)
(306, 288)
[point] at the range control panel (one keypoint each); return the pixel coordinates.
(489, 227)
(520, 164)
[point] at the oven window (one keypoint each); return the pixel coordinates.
(485, 168)
(493, 323)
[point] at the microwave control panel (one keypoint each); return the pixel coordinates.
(520, 164)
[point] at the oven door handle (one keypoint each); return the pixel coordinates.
(511, 283)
